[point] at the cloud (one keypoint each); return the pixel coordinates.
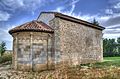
(113, 20)
(4, 16)
(10, 8)
(113, 7)
(59, 9)
(117, 26)
(117, 6)
(6, 37)
(80, 15)
(112, 31)
(111, 36)
(114, 13)
(73, 7)
(26, 5)
(11, 4)
(112, 25)
(71, 4)
(109, 11)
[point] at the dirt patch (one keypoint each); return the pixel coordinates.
(62, 73)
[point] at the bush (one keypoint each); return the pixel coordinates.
(6, 58)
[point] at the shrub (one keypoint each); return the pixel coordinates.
(6, 58)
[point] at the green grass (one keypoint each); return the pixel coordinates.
(111, 58)
(107, 62)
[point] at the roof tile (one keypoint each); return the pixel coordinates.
(32, 26)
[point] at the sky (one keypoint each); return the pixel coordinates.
(17, 12)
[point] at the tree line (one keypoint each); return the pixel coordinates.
(111, 47)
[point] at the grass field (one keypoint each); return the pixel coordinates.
(108, 61)
(111, 58)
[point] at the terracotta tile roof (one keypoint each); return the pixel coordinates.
(73, 19)
(32, 26)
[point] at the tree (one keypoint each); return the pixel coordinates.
(109, 47)
(2, 48)
(95, 22)
(118, 44)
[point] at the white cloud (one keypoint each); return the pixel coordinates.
(4, 16)
(104, 18)
(117, 6)
(109, 11)
(112, 31)
(6, 37)
(111, 36)
(113, 26)
(72, 4)
(72, 9)
(112, 21)
(59, 9)
(30, 5)
(12, 4)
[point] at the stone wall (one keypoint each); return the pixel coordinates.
(77, 43)
(32, 51)
(80, 43)
(57, 50)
